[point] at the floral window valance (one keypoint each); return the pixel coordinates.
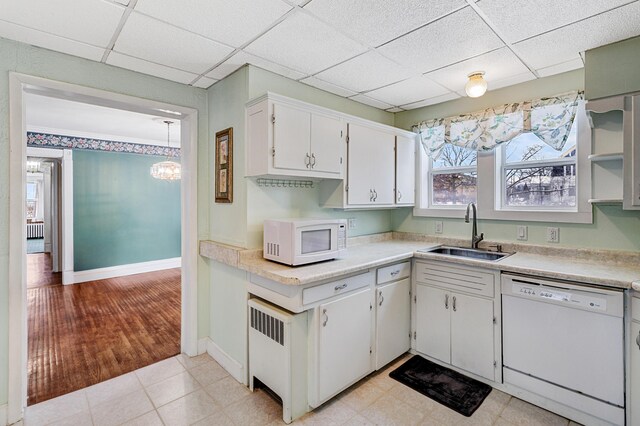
(548, 118)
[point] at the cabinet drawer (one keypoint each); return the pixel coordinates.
(460, 278)
(635, 308)
(394, 272)
(327, 290)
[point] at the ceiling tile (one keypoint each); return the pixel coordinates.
(205, 82)
(374, 22)
(231, 22)
(88, 21)
(560, 68)
(510, 81)
(328, 87)
(241, 58)
(139, 65)
(431, 101)
(408, 91)
(363, 99)
(497, 65)
(365, 72)
(451, 39)
(154, 41)
(518, 20)
(302, 42)
(564, 44)
(48, 41)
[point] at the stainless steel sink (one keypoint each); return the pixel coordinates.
(467, 252)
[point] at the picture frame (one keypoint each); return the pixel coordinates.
(224, 166)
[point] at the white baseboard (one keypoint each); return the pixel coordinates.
(232, 366)
(3, 415)
(202, 345)
(75, 277)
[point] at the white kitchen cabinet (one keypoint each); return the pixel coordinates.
(632, 159)
(288, 138)
(343, 333)
(405, 170)
(634, 363)
(371, 166)
(393, 321)
(455, 311)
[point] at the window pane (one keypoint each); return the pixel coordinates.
(552, 186)
(454, 188)
(528, 147)
(31, 191)
(455, 156)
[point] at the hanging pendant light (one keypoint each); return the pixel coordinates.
(166, 170)
(477, 85)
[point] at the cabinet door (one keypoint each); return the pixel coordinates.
(405, 170)
(344, 343)
(635, 373)
(326, 144)
(433, 328)
(472, 336)
(371, 166)
(291, 138)
(392, 321)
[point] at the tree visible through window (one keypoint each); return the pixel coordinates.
(454, 176)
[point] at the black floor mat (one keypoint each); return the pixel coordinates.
(450, 388)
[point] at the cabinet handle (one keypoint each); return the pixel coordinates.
(446, 301)
(313, 157)
(399, 195)
(394, 273)
(340, 287)
(375, 195)
(381, 298)
(326, 318)
(638, 340)
(307, 160)
(454, 304)
(371, 195)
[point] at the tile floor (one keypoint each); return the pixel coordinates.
(185, 391)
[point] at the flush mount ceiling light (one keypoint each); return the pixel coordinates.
(477, 85)
(166, 170)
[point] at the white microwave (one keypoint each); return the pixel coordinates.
(300, 241)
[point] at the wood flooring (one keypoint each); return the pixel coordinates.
(83, 334)
(39, 272)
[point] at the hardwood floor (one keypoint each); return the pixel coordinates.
(83, 334)
(39, 272)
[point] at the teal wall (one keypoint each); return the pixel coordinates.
(613, 69)
(122, 215)
(39, 62)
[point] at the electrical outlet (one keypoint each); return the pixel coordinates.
(553, 235)
(522, 233)
(352, 222)
(439, 227)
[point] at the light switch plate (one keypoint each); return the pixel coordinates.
(439, 227)
(553, 235)
(351, 222)
(522, 233)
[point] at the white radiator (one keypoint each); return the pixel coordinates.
(278, 355)
(35, 230)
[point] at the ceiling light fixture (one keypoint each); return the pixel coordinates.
(166, 170)
(477, 85)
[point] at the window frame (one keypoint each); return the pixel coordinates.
(489, 188)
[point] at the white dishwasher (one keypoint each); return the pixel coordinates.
(565, 342)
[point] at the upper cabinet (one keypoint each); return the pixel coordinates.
(287, 138)
(405, 170)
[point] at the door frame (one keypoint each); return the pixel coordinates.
(18, 333)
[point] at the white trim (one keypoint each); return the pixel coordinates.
(233, 367)
(202, 345)
(3, 415)
(17, 354)
(75, 277)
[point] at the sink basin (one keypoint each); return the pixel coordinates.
(467, 252)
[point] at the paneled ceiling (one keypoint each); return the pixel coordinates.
(393, 55)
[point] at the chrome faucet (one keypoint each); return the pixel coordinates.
(475, 239)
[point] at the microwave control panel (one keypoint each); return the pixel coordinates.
(342, 237)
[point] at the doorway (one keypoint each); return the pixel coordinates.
(20, 86)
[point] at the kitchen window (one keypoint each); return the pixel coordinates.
(520, 161)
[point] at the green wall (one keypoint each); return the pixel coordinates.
(613, 69)
(122, 215)
(39, 62)
(612, 227)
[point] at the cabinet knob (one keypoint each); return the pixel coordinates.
(394, 273)
(340, 287)
(446, 301)
(454, 304)
(326, 318)
(381, 298)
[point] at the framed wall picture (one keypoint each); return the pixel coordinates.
(224, 166)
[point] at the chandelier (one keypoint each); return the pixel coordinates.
(166, 170)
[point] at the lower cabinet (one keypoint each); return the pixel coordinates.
(635, 365)
(393, 321)
(343, 339)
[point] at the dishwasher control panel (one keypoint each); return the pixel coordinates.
(577, 299)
